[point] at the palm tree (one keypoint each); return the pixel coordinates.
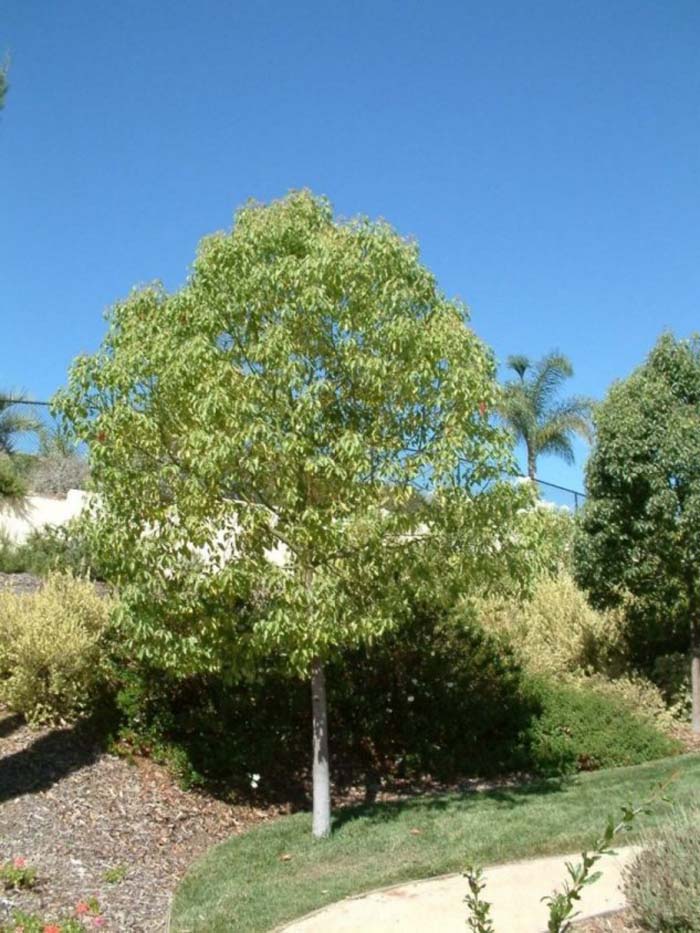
(14, 422)
(531, 411)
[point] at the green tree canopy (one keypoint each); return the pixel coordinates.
(281, 442)
(639, 538)
(532, 412)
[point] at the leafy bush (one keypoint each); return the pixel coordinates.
(50, 649)
(61, 548)
(672, 674)
(662, 884)
(12, 485)
(437, 696)
(582, 729)
(639, 695)
(11, 557)
(557, 631)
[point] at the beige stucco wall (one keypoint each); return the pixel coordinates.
(17, 521)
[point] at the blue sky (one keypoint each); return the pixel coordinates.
(545, 155)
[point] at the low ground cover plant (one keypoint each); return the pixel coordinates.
(17, 874)
(85, 916)
(662, 884)
(562, 903)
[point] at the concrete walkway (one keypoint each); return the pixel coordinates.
(437, 906)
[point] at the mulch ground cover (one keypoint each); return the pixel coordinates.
(619, 922)
(93, 824)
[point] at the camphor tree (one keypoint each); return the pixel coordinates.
(640, 527)
(309, 395)
(531, 411)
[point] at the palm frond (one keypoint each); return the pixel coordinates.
(519, 364)
(573, 416)
(559, 445)
(14, 422)
(530, 411)
(549, 375)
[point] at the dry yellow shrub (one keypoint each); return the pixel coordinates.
(557, 633)
(50, 647)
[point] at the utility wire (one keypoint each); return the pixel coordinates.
(21, 401)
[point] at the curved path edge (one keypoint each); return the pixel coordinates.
(436, 905)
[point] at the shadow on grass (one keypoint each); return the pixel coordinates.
(51, 757)
(507, 796)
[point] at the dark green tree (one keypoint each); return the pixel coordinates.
(639, 537)
(534, 415)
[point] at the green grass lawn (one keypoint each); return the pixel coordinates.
(245, 885)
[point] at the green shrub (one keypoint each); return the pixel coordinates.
(437, 696)
(639, 695)
(582, 729)
(50, 649)
(11, 558)
(662, 884)
(671, 672)
(12, 484)
(61, 548)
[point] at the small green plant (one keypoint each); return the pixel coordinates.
(115, 875)
(479, 919)
(12, 485)
(87, 916)
(562, 903)
(17, 874)
(33, 923)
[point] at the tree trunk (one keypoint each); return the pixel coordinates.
(531, 464)
(321, 771)
(695, 672)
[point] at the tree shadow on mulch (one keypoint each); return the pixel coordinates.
(51, 757)
(10, 724)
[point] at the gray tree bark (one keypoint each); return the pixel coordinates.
(531, 464)
(321, 778)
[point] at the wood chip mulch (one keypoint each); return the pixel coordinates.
(76, 813)
(618, 922)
